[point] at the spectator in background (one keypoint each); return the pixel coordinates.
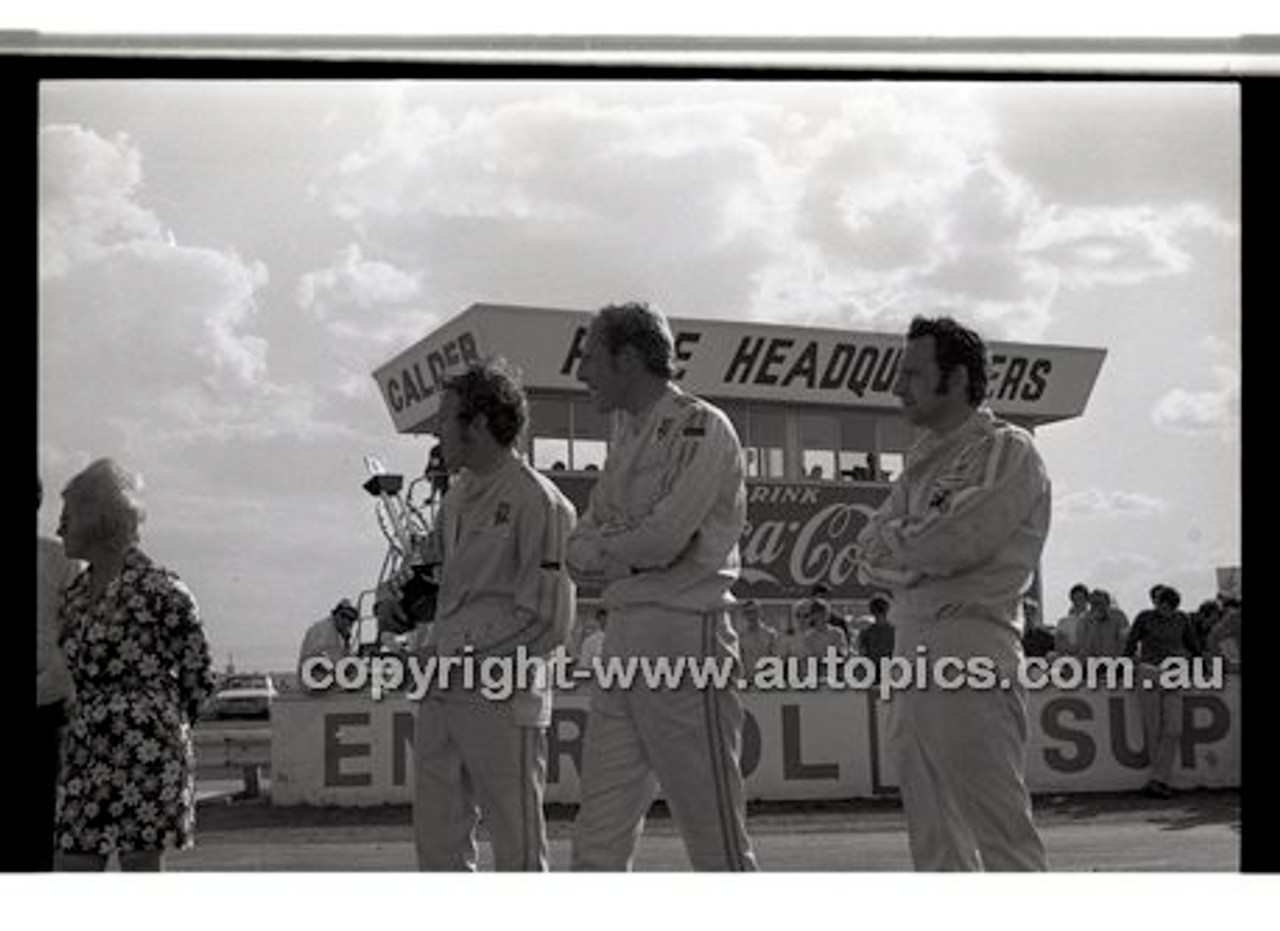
(1161, 631)
(791, 638)
(1205, 619)
(822, 635)
(140, 662)
(844, 624)
(1224, 639)
(593, 640)
(1158, 634)
(876, 642)
(1037, 640)
(330, 636)
(1068, 624)
(55, 692)
(583, 627)
(756, 639)
(1104, 630)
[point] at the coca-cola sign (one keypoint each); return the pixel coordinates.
(800, 534)
(797, 534)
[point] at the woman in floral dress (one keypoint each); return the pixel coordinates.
(137, 652)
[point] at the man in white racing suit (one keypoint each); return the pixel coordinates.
(661, 534)
(958, 542)
(500, 538)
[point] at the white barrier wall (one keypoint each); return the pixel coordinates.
(341, 749)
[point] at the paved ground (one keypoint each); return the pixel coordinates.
(1197, 832)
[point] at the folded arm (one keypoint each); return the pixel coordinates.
(690, 485)
(974, 510)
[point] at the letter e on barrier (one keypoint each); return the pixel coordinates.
(336, 750)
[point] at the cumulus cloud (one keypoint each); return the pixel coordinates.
(354, 283)
(149, 349)
(118, 295)
(1205, 412)
(1091, 246)
(859, 210)
(88, 186)
(366, 300)
(560, 201)
(1095, 504)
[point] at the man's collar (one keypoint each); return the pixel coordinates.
(640, 420)
(980, 418)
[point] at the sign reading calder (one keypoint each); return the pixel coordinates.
(419, 378)
(797, 534)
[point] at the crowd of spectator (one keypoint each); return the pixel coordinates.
(1094, 625)
(812, 627)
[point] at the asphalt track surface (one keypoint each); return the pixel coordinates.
(1195, 832)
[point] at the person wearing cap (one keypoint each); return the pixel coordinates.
(330, 636)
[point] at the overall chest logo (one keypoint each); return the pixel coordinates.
(502, 516)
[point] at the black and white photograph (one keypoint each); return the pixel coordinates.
(639, 458)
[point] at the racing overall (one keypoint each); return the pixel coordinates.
(662, 526)
(503, 585)
(957, 542)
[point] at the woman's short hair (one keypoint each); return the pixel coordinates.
(109, 499)
(639, 326)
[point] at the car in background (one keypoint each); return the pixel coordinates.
(243, 695)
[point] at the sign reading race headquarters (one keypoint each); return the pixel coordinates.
(1034, 384)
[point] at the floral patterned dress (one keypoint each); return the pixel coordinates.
(140, 662)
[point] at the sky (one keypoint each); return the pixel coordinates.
(223, 265)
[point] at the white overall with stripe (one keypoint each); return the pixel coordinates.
(663, 525)
(504, 584)
(958, 542)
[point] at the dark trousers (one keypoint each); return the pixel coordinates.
(48, 732)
